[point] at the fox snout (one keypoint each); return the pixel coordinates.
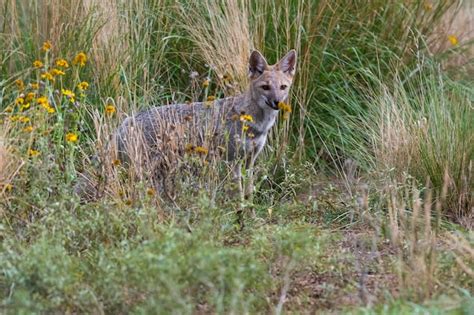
(273, 104)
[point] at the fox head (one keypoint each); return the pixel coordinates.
(269, 85)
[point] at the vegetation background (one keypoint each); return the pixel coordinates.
(364, 200)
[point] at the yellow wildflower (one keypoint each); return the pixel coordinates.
(68, 93)
(42, 100)
(71, 137)
(205, 84)
(83, 86)
(30, 96)
(211, 98)
(20, 84)
(33, 153)
(19, 101)
(201, 150)
(34, 86)
(246, 118)
(245, 128)
(150, 192)
(24, 106)
(9, 109)
(24, 119)
(56, 72)
(49, 109)
(80, 59)
(46, 46)
(47, 76)
(28, 129)
(284, 107)
(62, 63)
(116, 162)
(110, 109)
(37, 64)
(453, 40)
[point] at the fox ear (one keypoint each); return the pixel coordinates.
(287, 64)
(257, 64)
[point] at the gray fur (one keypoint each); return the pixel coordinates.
(160, 136)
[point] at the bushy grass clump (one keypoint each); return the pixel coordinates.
(93, 262)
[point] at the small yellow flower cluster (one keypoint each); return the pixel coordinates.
(110, 109)
(44, 102)
(30, 96)
(201, 150)
(72, 137)
(286, 108)
(83, 86)
(46, 46)
(68, 94)
(20, 118)
(20, 84)
(19, 101)
(245, 119)
(56, 72)
(205, 83)
(196, 149)
(33, 153)
(38, 64)
(24, 107)
(80, 59)
(453, 40)
(47, 76)
(62, 63)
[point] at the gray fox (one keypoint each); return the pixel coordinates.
(234, 128)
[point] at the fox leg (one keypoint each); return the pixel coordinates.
(249, 187)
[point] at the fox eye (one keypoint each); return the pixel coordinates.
(283, 87)
(266, 87)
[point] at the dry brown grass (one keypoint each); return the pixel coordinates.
(413, 235)
(224, 40)
(457, 22)
(10, 163)
(463, 249)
